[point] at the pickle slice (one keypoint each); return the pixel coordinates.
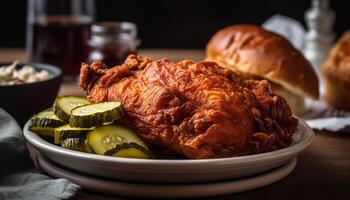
(117, 140)
(43, 131)
(45, 118)
(95, 114)
(131, 153)
(77, 144)
(65, 104)
(129, 150)
(66, 131)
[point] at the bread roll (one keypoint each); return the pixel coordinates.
(336, 73)
(257, 52)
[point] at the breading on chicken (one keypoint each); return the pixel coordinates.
(201, 110)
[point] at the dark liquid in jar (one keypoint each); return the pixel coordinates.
(61, 41)
(111, 56)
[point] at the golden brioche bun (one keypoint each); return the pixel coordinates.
(336, 73)
(253, 50)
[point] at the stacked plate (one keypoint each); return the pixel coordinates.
(168, 178)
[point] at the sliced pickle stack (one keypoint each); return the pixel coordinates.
(76, 124)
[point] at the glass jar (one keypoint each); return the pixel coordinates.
(58, 32)
(112, 42)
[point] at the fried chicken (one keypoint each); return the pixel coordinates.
(200, 110)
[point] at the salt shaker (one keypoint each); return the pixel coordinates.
(319, 37)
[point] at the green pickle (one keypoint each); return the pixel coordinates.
(117, 140)
(66, 131)
(44, 131)
(46, 118)
(77, 144)
(44, 123)
(65, 104)
(96, 114)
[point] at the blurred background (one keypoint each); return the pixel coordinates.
(174, 23)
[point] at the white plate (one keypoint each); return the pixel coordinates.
(167, 190)
(172, 171)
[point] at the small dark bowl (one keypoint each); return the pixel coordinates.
(24, 100)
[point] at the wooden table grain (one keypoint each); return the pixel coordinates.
(322, 172)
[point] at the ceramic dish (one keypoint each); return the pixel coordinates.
(130, 189)
(171, 171)
(24, 100)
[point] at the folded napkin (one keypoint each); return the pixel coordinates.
(320, 116)
(290, 28)
(18, 177)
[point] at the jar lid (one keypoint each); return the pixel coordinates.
(121, 30)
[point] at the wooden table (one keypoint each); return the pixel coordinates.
(322, 172)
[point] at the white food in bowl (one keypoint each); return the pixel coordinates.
(10, 75)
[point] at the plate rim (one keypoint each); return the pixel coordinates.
(258, 180)
(40, 144)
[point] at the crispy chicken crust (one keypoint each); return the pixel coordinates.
(201, 110)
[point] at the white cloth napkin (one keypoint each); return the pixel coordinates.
(320, 116)
(331, 124)
(288, 27)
